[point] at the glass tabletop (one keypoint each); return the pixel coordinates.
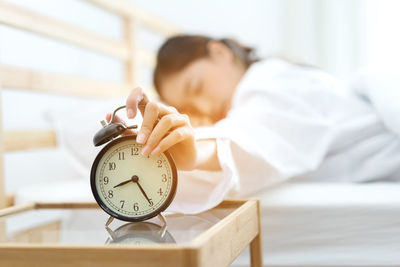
(87, 227)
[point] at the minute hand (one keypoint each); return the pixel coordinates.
(144, 193)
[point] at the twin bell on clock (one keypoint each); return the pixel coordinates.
(127, 185)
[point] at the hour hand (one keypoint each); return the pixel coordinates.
(122, 183)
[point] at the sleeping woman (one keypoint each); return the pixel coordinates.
(259, 122)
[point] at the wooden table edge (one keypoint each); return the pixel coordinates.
(244, 222)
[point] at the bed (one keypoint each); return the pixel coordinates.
(304, 224)
(330, 225)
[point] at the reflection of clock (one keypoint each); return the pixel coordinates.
(126, 184)
(139, 233)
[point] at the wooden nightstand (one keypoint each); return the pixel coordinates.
(74, 234)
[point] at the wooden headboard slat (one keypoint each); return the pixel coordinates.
(10, 200)
(124, 8)
(24, 19)
(26, 79)
(2, 188)
(15, 140)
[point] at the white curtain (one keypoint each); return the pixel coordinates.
(326, 33)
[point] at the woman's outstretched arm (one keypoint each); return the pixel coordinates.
(164, 128)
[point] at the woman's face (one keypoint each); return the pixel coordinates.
(204, 88)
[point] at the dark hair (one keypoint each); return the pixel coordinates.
(178, 51)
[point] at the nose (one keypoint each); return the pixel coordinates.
(204, 106)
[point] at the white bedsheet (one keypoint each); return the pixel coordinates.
(306, 224)
(330, 225)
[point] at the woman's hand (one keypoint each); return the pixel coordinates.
(163, 128)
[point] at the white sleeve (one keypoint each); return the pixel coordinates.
(270, 138)
(200, 190)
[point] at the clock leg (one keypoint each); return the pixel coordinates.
(163, 229)
(109, 221)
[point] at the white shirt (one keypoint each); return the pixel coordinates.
(290, 122)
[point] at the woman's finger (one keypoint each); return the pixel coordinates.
(129, 132)
(137, 99)
(166, 124)
(174, 137)
(150, 118)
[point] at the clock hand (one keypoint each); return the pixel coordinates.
(124, 182)
(144, 193)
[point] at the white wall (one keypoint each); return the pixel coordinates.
(382, 34)
(340, 36)
(254, 22)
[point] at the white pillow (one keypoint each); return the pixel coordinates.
(75, 127)
(381, 87)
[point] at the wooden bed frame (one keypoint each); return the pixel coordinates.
(127, 50)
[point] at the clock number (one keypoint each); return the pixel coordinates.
(135, 207)
(105, 180)
(110, 193)
(151, 202)
(134, 151)
(112, 166)
(164, 178)
(122, 203)
(159, 163)
(160, 191)
(121, 155)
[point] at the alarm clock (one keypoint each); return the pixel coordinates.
(127, 185)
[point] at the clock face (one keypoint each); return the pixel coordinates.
(130, 186)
